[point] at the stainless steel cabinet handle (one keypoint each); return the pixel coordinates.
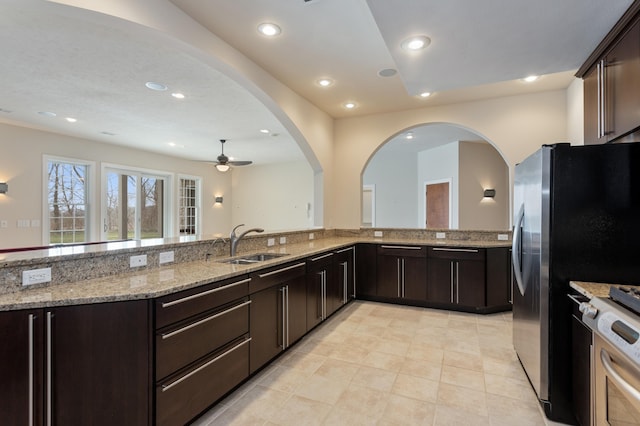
(287, 300)
(599, 103)
(283, 317)
(343, 250)
(324, 256)
(345, 276)
(457, 282)
(616, 377)
(324, 295)
(204, 320)
(403, 277)
(398, 273)
(451, 280)
(204, 293)
(31, 372)
(288, 268)
(203, 366)
(456, 250)
(402, 247)
(49, 364)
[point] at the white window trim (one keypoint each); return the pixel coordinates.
(170, 198)
(176, 224)
(90, 231)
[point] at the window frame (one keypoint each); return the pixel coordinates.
(198, 203)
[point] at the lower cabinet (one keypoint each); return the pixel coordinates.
(366, 271)
(278, 312)
(581, 350)
(322, 288)
(402, 272)
(86, 364)
(345, 277)
(457, 276)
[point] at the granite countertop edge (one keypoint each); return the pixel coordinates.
(167, 279)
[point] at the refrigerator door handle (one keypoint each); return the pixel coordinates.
(516, 251)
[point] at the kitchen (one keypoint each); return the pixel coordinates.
(356, 138)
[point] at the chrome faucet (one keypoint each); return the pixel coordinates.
(235, 239)
(213, 248)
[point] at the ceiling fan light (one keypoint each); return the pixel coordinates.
(222, 167)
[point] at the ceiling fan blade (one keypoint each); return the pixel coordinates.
(240, 163)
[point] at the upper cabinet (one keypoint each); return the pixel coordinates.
(612, 84)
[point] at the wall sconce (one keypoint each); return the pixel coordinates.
(4, 187)
(218, 200)
(489, 193)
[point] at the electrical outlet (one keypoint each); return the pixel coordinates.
(503, 237)
(271, 242)
(166, 257)
(283, 240)
(4, 224)
(311, 236)
(36, 276)
(137, 261)
(377, 234)
(441, 235)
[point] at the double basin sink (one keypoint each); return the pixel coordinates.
(253, 258)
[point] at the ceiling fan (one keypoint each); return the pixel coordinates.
(223, 164)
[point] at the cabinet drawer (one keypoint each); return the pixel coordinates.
(277, 275)
(180, 306)
(177, 347)
(401, 250)
(457, 253)
(182, 397)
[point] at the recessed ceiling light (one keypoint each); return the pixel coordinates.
(71, 119)
(387, 72)
(325, 82)
(47, 113)
(425, 94)
(415, 43)
(268, 29)
(265, 131)
(175, 145)
(531, 78)
(178, 95)
(155, 86)
(350, 105)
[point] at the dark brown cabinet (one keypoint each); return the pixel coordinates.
(278, 311)
(611, 87)
(457, 276)
(345, 277)
(402, 272)
(322, 288)
(366, 271)
(87, 364)
(202, 348)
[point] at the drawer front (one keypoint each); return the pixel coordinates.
(274, 276)
(182, 397)
(457, 253)
(177, 347)
(401, 250)
(321, 260)
(180, 306)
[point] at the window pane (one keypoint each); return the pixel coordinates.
(187, 207)
(67, 199)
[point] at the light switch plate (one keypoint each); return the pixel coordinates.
(137, 261)
(441, 235)
(166, 257)
(503, 237)
(271, 242)
(377, 234)
(283, 240)
(36, 276)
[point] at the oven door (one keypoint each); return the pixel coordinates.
(617, 386)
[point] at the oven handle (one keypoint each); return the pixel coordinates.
(613, 374)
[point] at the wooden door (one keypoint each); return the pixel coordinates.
(437, 205)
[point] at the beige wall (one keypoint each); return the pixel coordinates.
(515, 125)
(21, 165)
(481, 167)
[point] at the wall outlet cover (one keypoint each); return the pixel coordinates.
(377, 234)
(36, 276)
(166, 257)
(283, 240)
(271, 242)
(311, 236)
(503, 237)
(137, 261)
(441, 235)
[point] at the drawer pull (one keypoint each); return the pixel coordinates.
(402, 247)
(322, 257)
(203, 366)
(204, 293)
(202, 321)
(454, 249)
(288, 268)
(343, 250)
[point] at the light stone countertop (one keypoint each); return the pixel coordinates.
(159, 281)
(591, 289)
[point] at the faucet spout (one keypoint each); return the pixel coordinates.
(235, 239)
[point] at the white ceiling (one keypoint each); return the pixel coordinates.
(93, 67)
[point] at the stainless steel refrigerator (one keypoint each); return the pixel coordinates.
(576, 217)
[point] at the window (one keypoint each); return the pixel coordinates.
(188, 202)
(134, 205)
(67, 201)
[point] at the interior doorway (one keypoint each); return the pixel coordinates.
(438, 204)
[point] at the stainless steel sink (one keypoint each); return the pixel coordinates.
(253, 258)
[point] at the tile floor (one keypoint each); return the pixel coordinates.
(380, 364)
